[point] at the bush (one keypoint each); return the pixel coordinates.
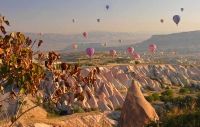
(77, 109)
(149, 98)
(52, 111)
(119, 108)
(137, 62)
(168, 93)
(185, 113)
(198, 95)
(156, 97)
(184, 91)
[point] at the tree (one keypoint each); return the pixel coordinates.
(184, 91)
(17, 68)
(155, 96)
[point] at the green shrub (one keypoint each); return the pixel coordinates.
(168, 93)
(198, 95)
(149, 98)
(77, 109)
(137, 62)
(156, 97)
(51, 110)
(185, 113)
(119, 108)
(184, 91)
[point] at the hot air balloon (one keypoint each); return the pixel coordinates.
(73, 20)
(182, 9)
(136, 56)
(176, 19)
(120, 40)
(176, 53)
(98, 20)
(172, 53)
(85, 34)
(105, 44)
(107, 7)
(41, 33)
(90, 51)
(161, 53)
(74, 47)
(152, 47)
(112, 53)
(161, 20)
(124, 52)
(130, 50)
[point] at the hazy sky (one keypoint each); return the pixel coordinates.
(55, 16)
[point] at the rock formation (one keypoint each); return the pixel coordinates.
(136, 110)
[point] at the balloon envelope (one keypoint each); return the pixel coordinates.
(120, 40)
(90, 51)
(130, 50)
(161, 20)
(172, 53)
(85, 34)
(112, 53)
(161, 53)
(98, 20)
(73, 20)
(41, 33)
(182, 9)
(176, 19)
(74, 47)
(152, 47)
(107, 7)
(136, 56)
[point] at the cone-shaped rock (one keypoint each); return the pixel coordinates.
(136, 110)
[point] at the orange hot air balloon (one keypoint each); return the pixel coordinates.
(161, 53)
(41, 33)
(85, 34)
(161, 20)
(172, 53)
(74, 47)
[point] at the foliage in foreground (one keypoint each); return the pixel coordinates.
(185, 112)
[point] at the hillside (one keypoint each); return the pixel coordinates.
(185, 42)
(52, 41)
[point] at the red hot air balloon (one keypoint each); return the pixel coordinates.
(112, 53)
(136, 56)
(41, 33)
(85, 34)
(74, 47)
(152, 48)
(161, 20)
(120, 40)
(130, 50)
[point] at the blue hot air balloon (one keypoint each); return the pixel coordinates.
(107, 7)
(182, 9)
(176, 19)
(98, 20)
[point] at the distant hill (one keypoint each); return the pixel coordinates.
(53, 41)
(185, 42)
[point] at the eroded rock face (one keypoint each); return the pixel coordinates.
(136, 110)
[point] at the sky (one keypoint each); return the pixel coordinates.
(55, 16)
